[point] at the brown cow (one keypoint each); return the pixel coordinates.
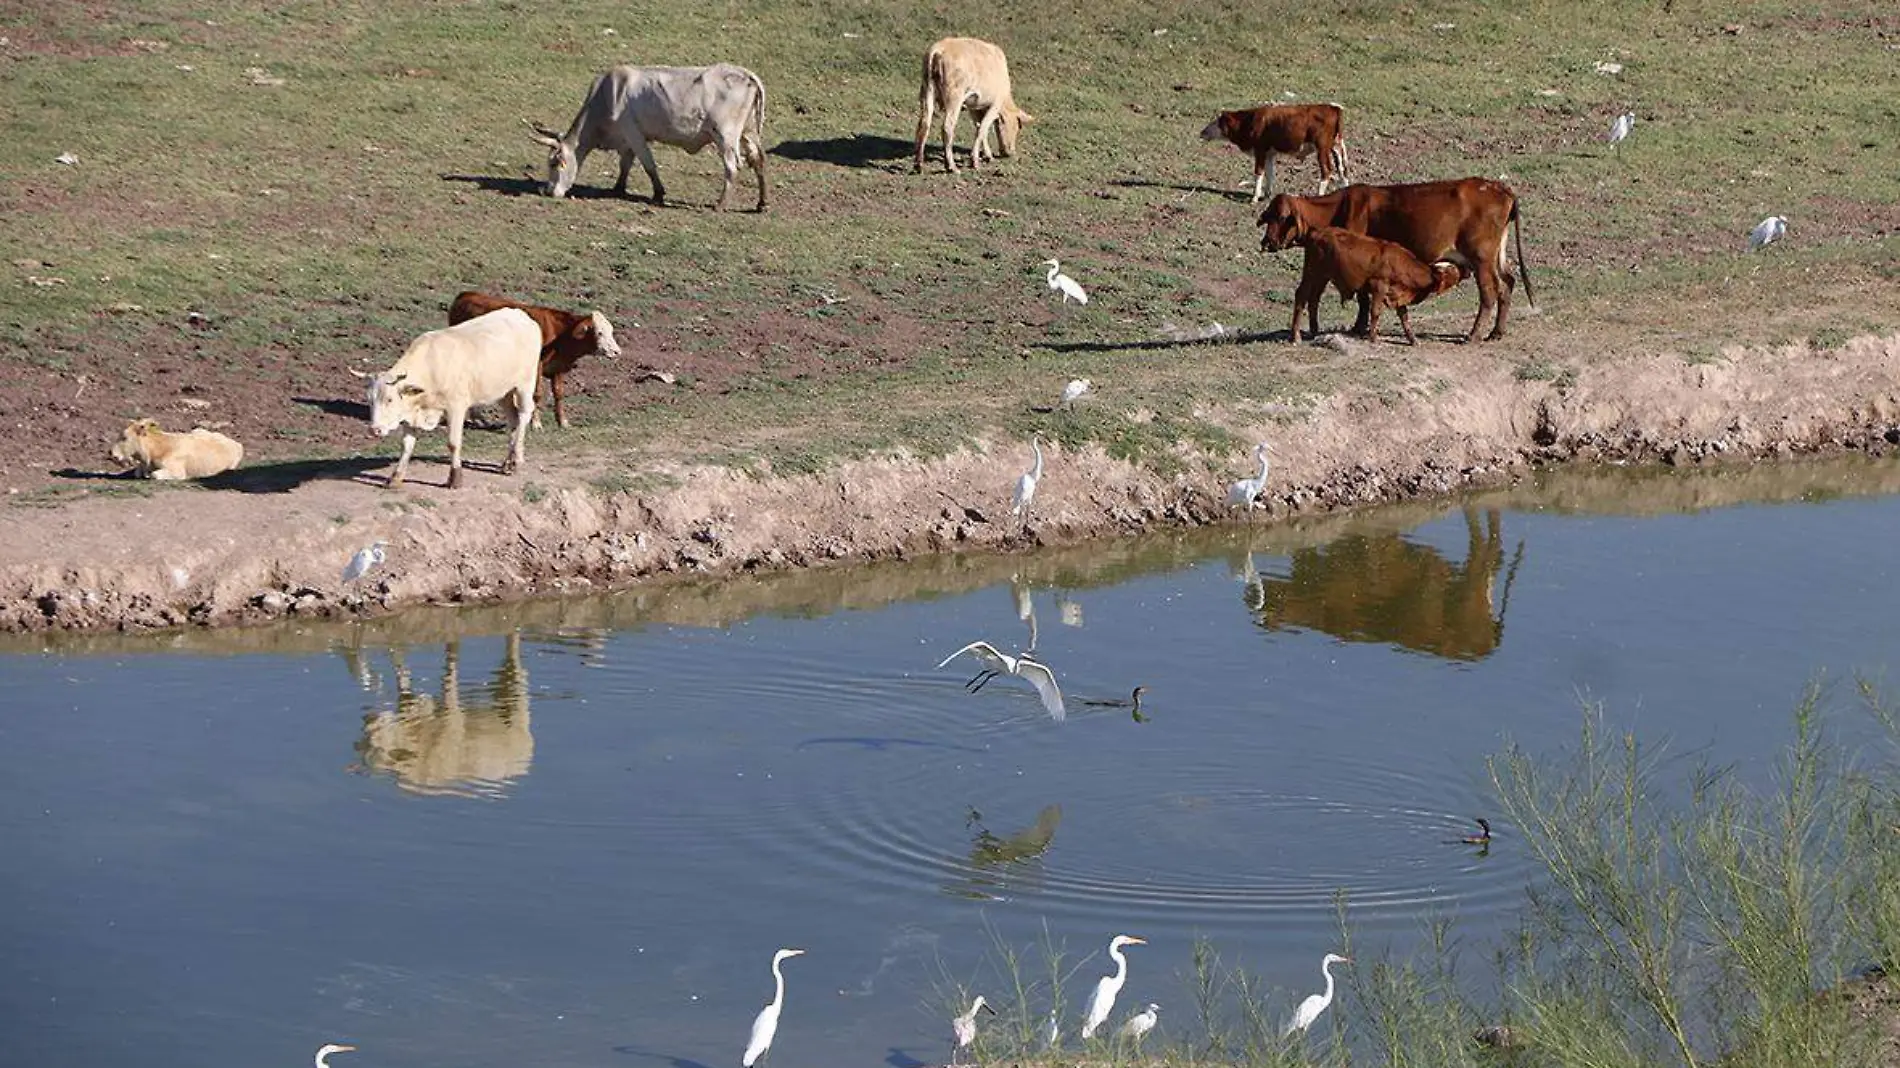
(565, 338)
(1295, 130)
(1379, 272)
(1463, 220)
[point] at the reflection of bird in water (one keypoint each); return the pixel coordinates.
(1253, 591)
(910, 941)
(1052, 1034)
(1315, 1004)
(766, 1025)
(1142, 1022)
(1071, 611)
(323, 1054)
(1102, 1001)
(989, 851)
(1022, 667)
(963, 1028)
(1025, 608)
(1133, 701)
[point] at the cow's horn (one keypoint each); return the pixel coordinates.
(359, 374)
(541, 133)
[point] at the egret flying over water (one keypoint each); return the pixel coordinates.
(1074, 390)
(1142, 1022)
(1310, 1009)
(1026, 485)
(1063, 284)
(1102, 1002)
(964, 1027)
(1621, 128)
(1767, 232)
(766, 1025)
(1246, 492)
(1023, 667)
(323, 1053)
(365, 558)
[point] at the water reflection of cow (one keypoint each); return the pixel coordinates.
(1383, 588)
(469, 743)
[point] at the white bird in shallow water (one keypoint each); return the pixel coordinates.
(1102, 1001)
(1310, 1009)
(1767, 232)
(1022, 667)
(365, 558)
(1246, 492)
(1026, 485)
(323, 1053)
(1074, 390)
(1621, 128)
(964, 1027)
(1063, 284)
(766, 1025)
(1142, 1022)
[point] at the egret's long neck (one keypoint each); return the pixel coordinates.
(1037, 446)
(1121, 965)
(778, 980)
(1263, 468)
(1327, 970)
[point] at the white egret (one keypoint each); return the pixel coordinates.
(1022, 667)
(1052, 1035)
(1026, 485)
(1142, 1022)
(1246, 492)
(1621, 128)
(766, 1025)
(1102, 1002)
(1074, 390)
(964, 1027)
(1767, 232)
(365, 558)
(1063, 284)
(1310, 1009)
(323, 1053)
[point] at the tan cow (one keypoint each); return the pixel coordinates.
(444, 373)
(166, 457)
(960, 71)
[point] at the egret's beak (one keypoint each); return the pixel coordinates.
(344, 1049)
(1138, 941)
(987, 1007)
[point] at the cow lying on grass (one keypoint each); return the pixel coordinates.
(444, 373)
(1381, 273)
(961, 71)
(166, 457)
(565, 338)
(1294, 130)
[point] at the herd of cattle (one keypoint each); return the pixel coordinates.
(1387, 246)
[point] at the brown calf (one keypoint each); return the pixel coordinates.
(1463, 220)
(565, 338)
(1295, 130)
(1379, 272)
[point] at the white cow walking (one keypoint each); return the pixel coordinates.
(687, 107)
(444, 373)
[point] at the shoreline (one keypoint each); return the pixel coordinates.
(1458, 419)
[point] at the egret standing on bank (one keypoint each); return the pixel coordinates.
(364, 559)
(1063, 284)
(1311, 1008)
(1102, 1002)
(1142, 1022)
(766, 1025)
(1767, 232)
(323, 1053)
(1074, 390)
(964, 1027)
(1244, 493)
(1026, 485)
(1621, 128)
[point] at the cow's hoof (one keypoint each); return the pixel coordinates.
(455, 479)
(562, 423)
(1495, 335)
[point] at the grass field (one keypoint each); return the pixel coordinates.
(320, 222)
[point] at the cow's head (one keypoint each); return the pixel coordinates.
(131, 447)
(395, 400)
(604, 336)
(1281, 225)
(563, 167)
(1010, 127)
(1446, 276)
(1216, 130)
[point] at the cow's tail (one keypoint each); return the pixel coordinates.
(757, 118)
(1523, 265)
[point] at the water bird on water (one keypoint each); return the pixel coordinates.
(964, 1028)
(1311, 1008)
(1482, 838)
(1133, 701)
(1102, 1001)
(766, 1024)
(323, 1053)
(1022, 667)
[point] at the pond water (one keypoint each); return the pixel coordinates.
(573, 832)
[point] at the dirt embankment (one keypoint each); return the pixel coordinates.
(1462, 420)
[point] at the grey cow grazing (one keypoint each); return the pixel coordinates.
(687, 107)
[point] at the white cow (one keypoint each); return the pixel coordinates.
(688, 107)
(493, 357)
(961, 71)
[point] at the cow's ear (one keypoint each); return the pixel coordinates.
(411, 391)
(1025, 117)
